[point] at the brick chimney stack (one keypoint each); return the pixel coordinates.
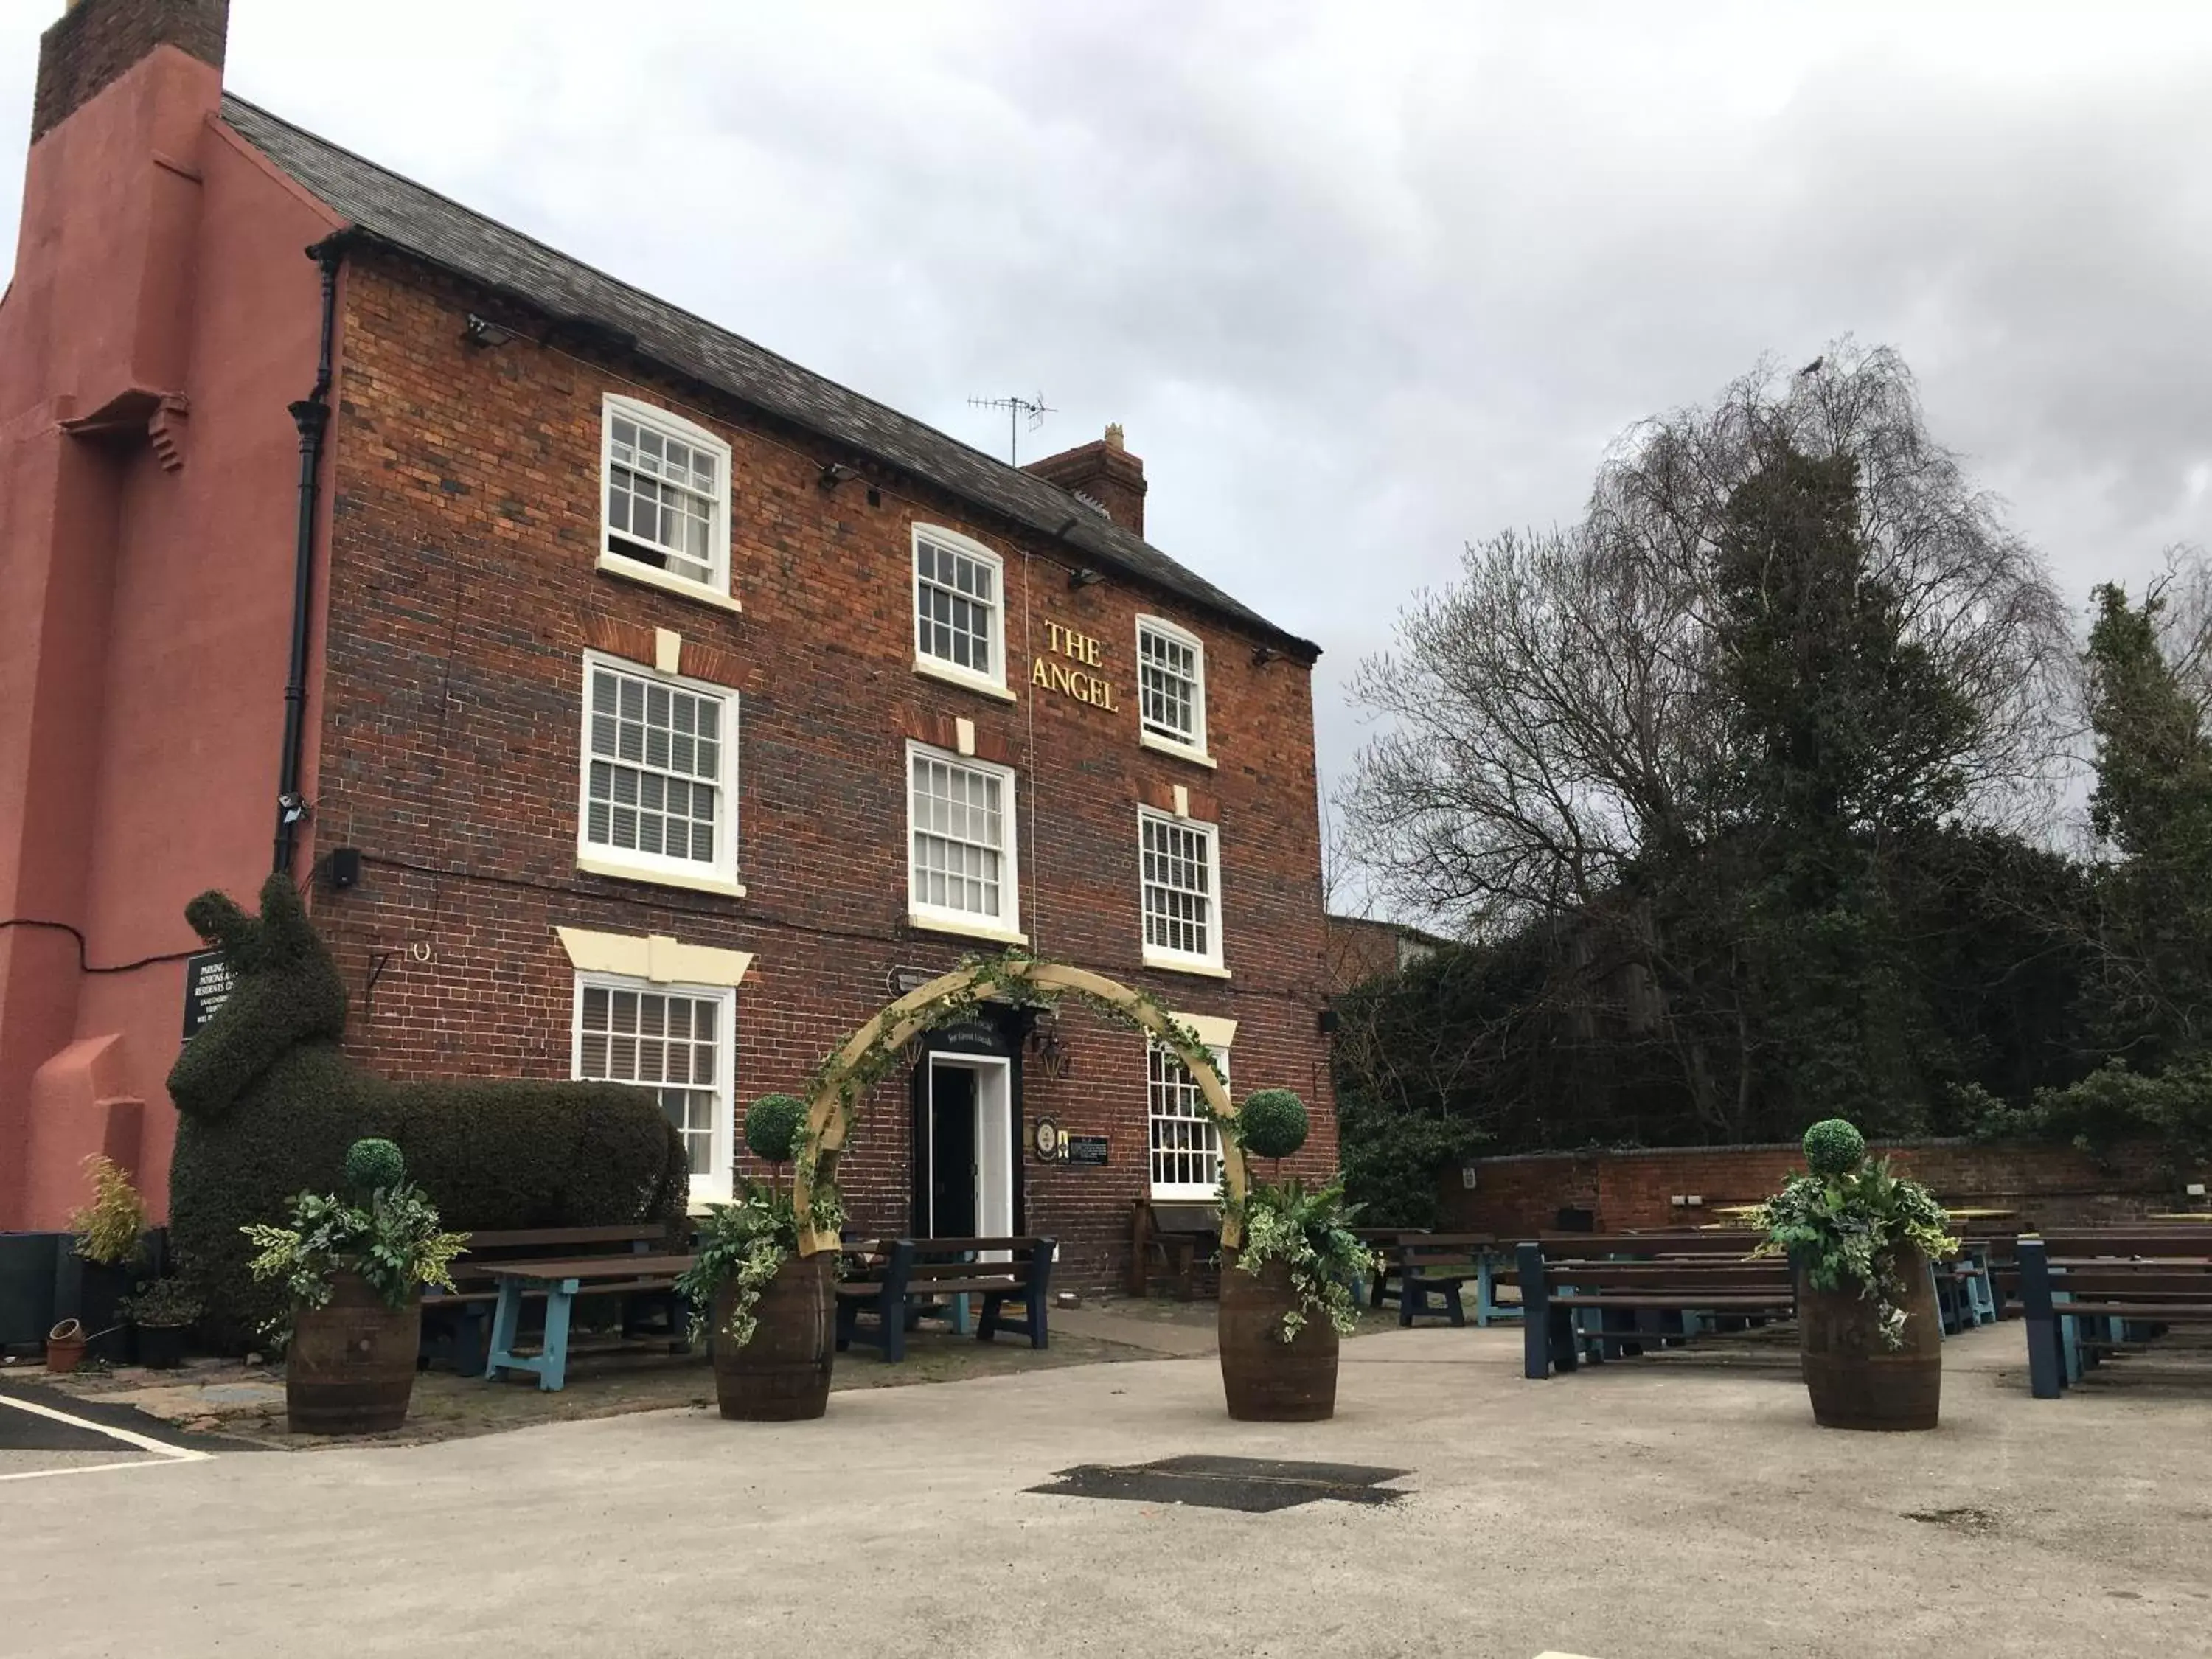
(97, 40)
(1103, 472)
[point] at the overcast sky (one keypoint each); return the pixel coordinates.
(1363, 281)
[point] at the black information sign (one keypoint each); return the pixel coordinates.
(1085, 1149)
(972, 1036)
(207, 987)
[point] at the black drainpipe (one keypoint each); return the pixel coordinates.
(312, 415)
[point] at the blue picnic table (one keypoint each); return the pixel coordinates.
(562, 1281)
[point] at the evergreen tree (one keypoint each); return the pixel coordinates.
(2152, 808)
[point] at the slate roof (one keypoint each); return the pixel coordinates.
(428, 227)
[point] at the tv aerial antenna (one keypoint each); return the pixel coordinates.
(1034, 408)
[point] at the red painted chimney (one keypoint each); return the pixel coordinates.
(1104, 474)
(97, 40)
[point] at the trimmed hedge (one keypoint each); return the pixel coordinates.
(270, 1107)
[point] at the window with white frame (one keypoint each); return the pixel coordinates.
(1182, 892)
(659, 775)
(667, 495)
(959, 607)
(677, 1040)
(1186, 1144)
(962, 866)
(1170, 684)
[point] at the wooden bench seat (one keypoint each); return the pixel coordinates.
(1647, 1290)
(1383, 1242)
(456, 1323)
(900, 1280)
(561, 1280)
(1180, 1234)
(1432, 1268)
(2085, 1293)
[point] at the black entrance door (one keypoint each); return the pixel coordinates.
(952, 1152)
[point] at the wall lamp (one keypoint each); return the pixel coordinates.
(484, 333)
(1085, 577)
(1264, 654)
(835, 474)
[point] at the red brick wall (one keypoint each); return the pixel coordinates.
(1359, 950)
(1636, 1189)
(463, 595)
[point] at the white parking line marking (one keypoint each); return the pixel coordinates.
(163, 1453)
(94, 1469)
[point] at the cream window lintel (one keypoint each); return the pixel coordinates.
(653, 957)
(1214, 1030)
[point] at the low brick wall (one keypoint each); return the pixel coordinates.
(1623, 1190)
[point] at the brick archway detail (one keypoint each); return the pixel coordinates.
(830, 1116)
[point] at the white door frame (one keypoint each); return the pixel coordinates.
(995, 1139)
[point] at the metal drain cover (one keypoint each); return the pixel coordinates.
(1254, 1484)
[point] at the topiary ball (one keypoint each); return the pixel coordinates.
(1271, 1122)
(374, 1165)
(1833, 1146)
(772, 1126)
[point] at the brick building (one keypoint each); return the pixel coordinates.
(632, 701)
(1363, 948)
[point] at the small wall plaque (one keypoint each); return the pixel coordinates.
(207, 987)
(1086, 1149)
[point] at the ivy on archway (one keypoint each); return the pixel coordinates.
(839, 1086)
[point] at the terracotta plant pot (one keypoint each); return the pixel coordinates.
(351, 1368)
(1855, 1382)
(65, 1346)
(783, 1374)
(1268, 1380)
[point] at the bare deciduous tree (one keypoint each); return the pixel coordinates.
(1546, 721)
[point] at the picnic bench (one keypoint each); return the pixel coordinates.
(2087, 1291)
(456, 1323)
(1431, 1268)
(1376, 1287)
(900, 1280)
(559, 1282)
(1630, 1293)
(1181, 1234)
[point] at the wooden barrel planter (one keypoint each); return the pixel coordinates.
(351, 1368)
(1855, 1382)
(1269, 1380)
(783, 1374)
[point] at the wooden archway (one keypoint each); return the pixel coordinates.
(831, 1098)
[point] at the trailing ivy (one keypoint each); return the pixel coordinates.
(745, 1244)
(1847, 1228)
(394, 1241)
(1310, 1230)
(1287, 1224)
(1003, 978)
